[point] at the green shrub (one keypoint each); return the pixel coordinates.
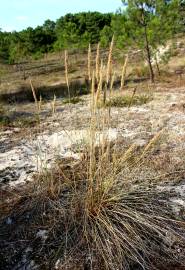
(73, 100)
(127, 101)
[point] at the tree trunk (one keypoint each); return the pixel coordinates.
(147, 48)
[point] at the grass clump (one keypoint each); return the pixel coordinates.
(25, 122)
(127, 101)
(9, 119)
(72, 100)
(4, 119)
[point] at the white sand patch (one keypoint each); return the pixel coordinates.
(20, 163)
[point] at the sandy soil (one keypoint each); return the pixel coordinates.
(26, 151)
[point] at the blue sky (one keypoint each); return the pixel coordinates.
(19, 14)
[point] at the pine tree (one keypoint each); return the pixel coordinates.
(149, 24)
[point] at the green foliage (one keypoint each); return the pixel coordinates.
(127, 101)
(7, 119)
(73, 100)
(80, 29)
(106, 36)
(70, 31)
(146, 25)
(157, 20)
(4, 46)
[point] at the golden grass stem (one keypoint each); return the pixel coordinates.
(109, 70)
(54, 105)
(89, 62)
(151, 143)
(34, 96)
(66, 73)
(133, 94)
(112, 83)
(92, 161)
(100, 83)
(109, 62)
(93, 92)
(40, 104)
(123, 75)
(98, 62)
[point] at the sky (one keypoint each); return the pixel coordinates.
(20, 14)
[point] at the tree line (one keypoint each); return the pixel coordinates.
(69, 31)
(142, 24)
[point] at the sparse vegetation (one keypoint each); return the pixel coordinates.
(96, 214)
(127, 100)
(105, 189)
(17, 122)
(4, 119)
(73, 100)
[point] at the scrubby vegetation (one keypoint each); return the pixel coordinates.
(128, 100)
(143, 26)
(72, 100)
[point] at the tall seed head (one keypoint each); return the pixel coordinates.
(66, 72)
(123, 75)
(89, 62)
(98, 62)
(109, 62)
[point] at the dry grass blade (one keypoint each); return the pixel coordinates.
(109, 70)
(100, 84)
(123, 75)
(40, 104)
(98, 62)
(66, 73)
(133, 94)
(109, 62)
(54, 105)
(151, 143)
(34, 96)
(89, 62)
(112, 83)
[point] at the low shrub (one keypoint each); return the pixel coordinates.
(126, 101)
(73, 100)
